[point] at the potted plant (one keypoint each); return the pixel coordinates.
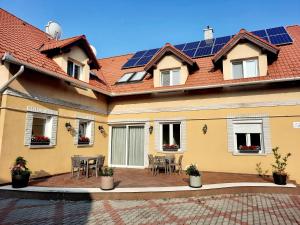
(195, 176)
(107, 179)
(279, 174)
(40, 140)
(83, 140)
(20, 173)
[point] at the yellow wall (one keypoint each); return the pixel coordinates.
(169, 62)
(77, 55)
(4, 73)
(245, 51)
(204, 150)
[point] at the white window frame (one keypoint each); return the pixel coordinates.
(48, 126)
(249, 123)
(170, 135)
(88, 131)
(171, 71)
(244, 69)
(73, 69)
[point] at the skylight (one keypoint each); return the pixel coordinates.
(138, 76)
(125, 77)
(132, 77)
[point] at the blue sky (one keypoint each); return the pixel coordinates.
(125, 26)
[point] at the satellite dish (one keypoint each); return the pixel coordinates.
(54, 30)
(93, 49)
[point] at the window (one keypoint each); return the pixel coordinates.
(74, 70)
(170, 136)
(41, 130)
(84, 132)
(244, 68)
(170, 77)
(132, 77)
(248, 136)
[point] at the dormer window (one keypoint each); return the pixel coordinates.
(170, 77)
(244, 68)
(74, 70)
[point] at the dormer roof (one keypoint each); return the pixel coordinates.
(243, 36)
(168, 49)
(56, 47)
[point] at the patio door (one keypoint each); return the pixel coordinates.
(127, 146)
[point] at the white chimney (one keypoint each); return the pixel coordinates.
(208, 33)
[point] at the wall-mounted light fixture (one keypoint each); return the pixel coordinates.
(204, 129)
(68, 126)
(150, 129)
(101, 129)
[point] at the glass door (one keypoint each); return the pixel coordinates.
(127, 146)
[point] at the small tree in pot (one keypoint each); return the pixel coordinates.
(279, 174)
(20, 173)
(195, 176)
(107, 179)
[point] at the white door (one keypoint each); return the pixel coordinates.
(127, 146)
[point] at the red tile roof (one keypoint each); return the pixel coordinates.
(287, 65)
(25, 41)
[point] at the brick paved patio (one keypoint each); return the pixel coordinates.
(220, 209)
(142, 178)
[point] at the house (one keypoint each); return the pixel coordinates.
(223, 103)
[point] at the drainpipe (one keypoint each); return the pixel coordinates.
(7, 83)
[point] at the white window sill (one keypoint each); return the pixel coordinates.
(247, 154)
(84, 145)
(40, 146)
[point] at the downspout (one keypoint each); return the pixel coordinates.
(15, 76)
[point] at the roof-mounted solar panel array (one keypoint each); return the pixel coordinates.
(196, 49)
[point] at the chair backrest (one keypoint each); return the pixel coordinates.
(100, 160)
(75, 161)
(151, 159)
(180, 159)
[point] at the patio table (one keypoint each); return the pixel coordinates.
(86, 160)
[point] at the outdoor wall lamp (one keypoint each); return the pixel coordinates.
(150, 129)
(68, 126)
(204, 129)
(101, 129)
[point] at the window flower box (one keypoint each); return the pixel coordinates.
(167, 147)
(249, 149)
(83, 141)
(40, 140)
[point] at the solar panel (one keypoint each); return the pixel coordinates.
(276, 36)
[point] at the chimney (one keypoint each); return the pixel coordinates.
(208, 33)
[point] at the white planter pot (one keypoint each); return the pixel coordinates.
(195, 181)
(107, 183)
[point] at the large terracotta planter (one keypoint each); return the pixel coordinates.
(195, 181)
(107, 183)
(279, 178)
(19, 181)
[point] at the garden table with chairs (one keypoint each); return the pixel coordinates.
(84, 163)
(166, 162)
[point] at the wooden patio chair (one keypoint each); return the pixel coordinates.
(177, 165)
(97, 164)
(151, 166)
(77, 165)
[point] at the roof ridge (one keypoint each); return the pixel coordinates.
(23, 21)
(109, 57)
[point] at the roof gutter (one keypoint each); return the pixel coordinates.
(10, 80)
(9, 58)
(209, 86)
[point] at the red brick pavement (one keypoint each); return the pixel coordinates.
(219, 209)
